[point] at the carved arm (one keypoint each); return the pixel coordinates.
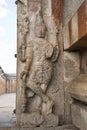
(29, 58)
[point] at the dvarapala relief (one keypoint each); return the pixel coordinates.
(38, 56)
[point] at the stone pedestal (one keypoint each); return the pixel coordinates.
(79, 116)
(78, 89)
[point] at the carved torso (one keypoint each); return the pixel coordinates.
(41, 68)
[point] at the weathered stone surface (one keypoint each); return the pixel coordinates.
(68, 101)
(31, 120)
(38, 67)
(9, 128)
(79, 116)
(47, 7)
(69, 9)
(84, 62)
(69, 127)
(64, 127)
(75, 32)
(71, 71)
(71, 65)
(56, 90)
(51, 121)
(78, 88)
(57, 11)
(24, 129)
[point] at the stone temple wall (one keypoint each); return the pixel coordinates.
(51, 80)
(75, 62)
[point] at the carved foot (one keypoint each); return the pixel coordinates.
(31, 120)
(51, 121)
(47, 107)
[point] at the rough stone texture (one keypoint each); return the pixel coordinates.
(64, 127)
(78, 88)
(71, 71)
(84, 62)
(56, 87)
(58, 94)
(68, 101)
(47, 7)
(57, 11)
(8, 128)
(74, 38)
(69, 9)
(75, 31)
(71, 65)
(51, 121)
(70, 32)
(79, 116)
(31, 120)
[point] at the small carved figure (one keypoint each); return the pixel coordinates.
(39, 66)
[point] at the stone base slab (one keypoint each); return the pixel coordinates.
(64, 127)
(37, 120)
(78, 89)
(79, 116)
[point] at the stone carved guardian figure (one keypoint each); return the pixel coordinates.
(38, 69)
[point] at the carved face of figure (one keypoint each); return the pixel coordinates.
(40, 27)
(40, 31)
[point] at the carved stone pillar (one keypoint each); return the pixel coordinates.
(40, 94)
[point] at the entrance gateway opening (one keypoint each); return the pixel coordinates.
(7, 63)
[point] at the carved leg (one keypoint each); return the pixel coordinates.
(47, 107)
(44, 87)
(36, 88)
(47, 102)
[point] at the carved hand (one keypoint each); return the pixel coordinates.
(23, 75)
(49, 51)
(55, 54)
(22, 53)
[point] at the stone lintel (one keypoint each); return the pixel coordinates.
(75, 32)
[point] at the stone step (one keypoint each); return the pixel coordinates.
(64, 127)
(79, 116)
(78, 88)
